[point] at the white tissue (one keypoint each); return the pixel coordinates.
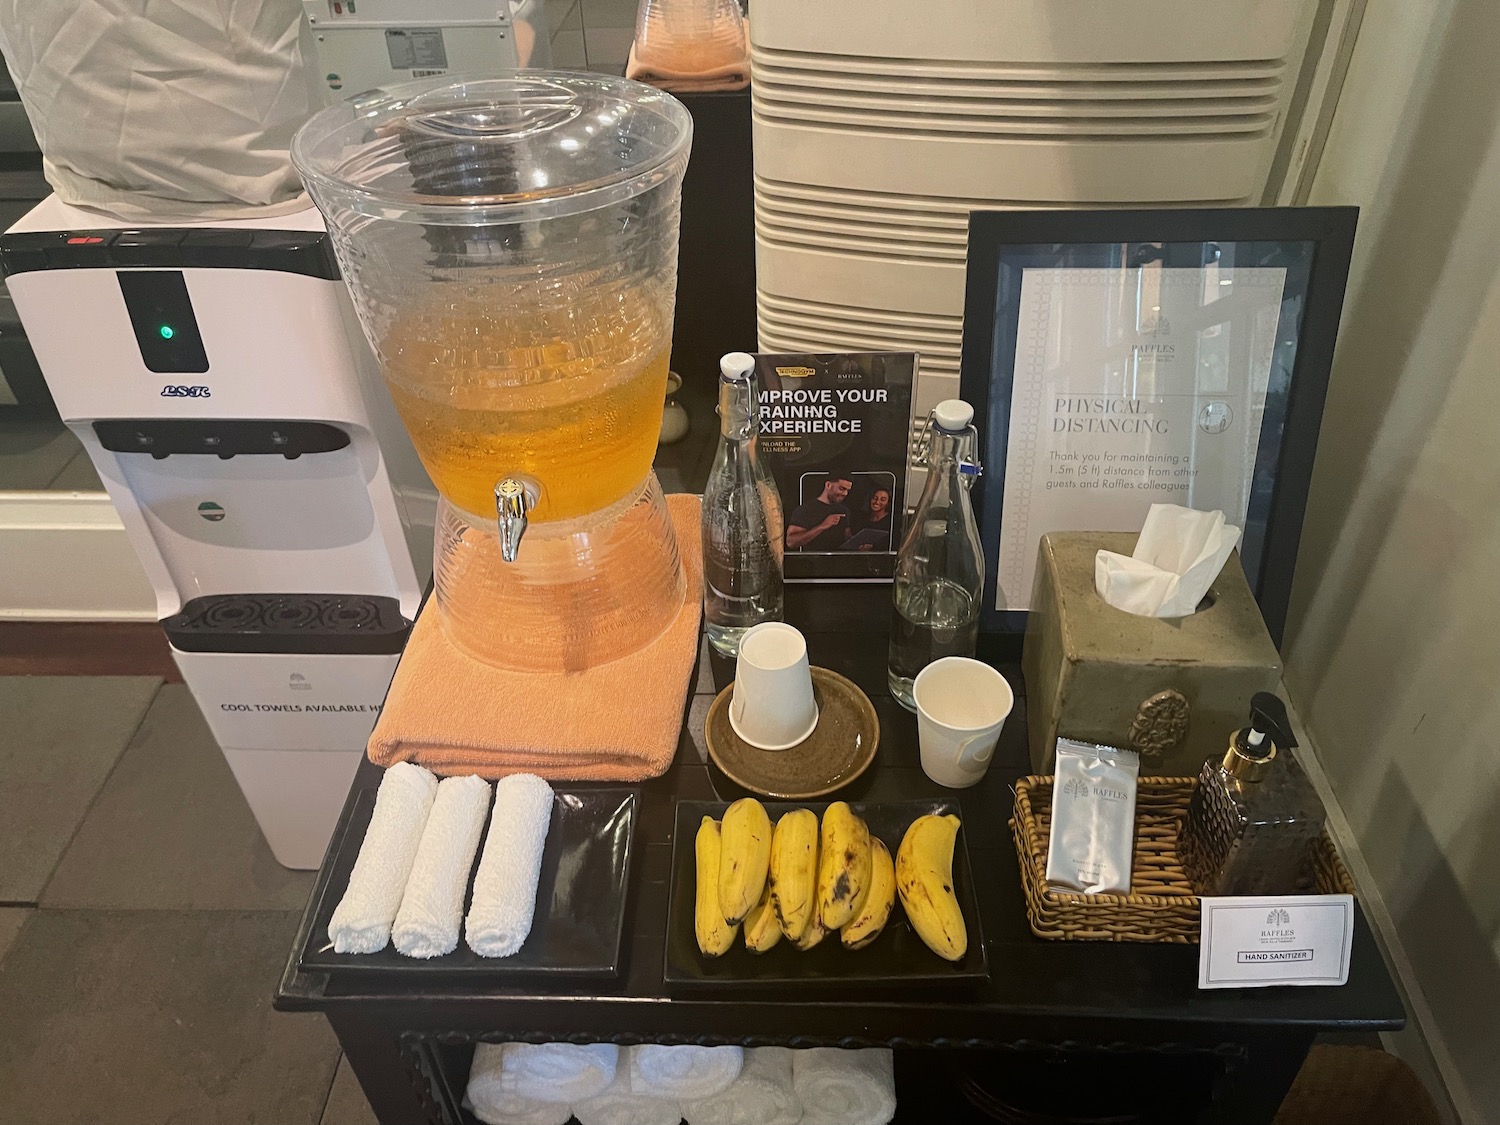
(838, 1087)
(505, 886)
(495, 1101)
(1177, 557)
(433, 905)
(761, 1095)
(684, 1072)
(625, 1102)
(361, 922)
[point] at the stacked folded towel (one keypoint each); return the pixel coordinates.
(545, 1084)
(559, 1072)
(433, 904)
(494, 1092)
(761, 1095)
(628, 1102)
(684, 1073)
(533, 1084)
(838, 1087)
(361, 922)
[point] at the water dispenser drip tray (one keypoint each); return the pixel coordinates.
(341, 624)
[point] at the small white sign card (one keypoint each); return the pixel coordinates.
(1256, 942)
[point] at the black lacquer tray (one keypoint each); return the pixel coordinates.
(580, 914)
(897, 958)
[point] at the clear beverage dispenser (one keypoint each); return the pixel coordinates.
(511, 247)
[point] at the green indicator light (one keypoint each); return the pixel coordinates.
(167, 332)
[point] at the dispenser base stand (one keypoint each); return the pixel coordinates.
(619, 721)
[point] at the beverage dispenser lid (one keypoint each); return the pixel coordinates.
(534, 145)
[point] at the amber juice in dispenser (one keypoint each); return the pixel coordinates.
(573, 397)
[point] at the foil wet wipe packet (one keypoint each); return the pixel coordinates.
(1093, 818)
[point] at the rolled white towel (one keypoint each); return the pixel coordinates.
(361, 922)
(838, 1087)
(761, 1095)
(495, 1106)
(554, 1072)
(505, 887)
(626, 1103)
(433, 906)
(684, 1073)
(543, 1113)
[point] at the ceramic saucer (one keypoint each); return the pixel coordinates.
(840, 748)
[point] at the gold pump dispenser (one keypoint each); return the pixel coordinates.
(1254, 816)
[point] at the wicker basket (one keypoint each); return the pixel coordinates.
(1161, 905)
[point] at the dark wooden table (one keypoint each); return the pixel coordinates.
(1078, 1019)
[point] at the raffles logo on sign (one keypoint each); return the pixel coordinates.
(1250, 942)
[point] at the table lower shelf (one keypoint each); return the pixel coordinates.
(1041, 1086)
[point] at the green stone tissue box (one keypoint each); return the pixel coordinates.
(1172, 688)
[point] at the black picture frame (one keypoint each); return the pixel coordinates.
(1002, 244)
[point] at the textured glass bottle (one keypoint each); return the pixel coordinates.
(1254, 816)
(742, 524)
(940, 567)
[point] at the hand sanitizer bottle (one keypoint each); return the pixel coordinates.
(1254, 817)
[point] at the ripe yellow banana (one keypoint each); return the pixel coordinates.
(843, 866)
(814, 934)
(762, 931)
(715, 935)
(878, 904)
(744, 858)
(924, 879)
(793, 880)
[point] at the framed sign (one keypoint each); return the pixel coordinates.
(1117, 359)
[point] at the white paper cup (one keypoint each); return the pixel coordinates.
(773, 706)
(962, 705)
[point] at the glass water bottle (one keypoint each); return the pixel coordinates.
(742, 525)
(940, 567)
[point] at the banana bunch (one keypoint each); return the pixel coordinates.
(803, 881)
(924, 879)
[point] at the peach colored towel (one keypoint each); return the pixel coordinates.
(732, 76)
(615, 722)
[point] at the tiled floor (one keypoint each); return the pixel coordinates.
(62, 739)
(143, 923)
(164, 833)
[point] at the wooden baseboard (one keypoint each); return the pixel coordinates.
(67, 558)
(85, 648)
